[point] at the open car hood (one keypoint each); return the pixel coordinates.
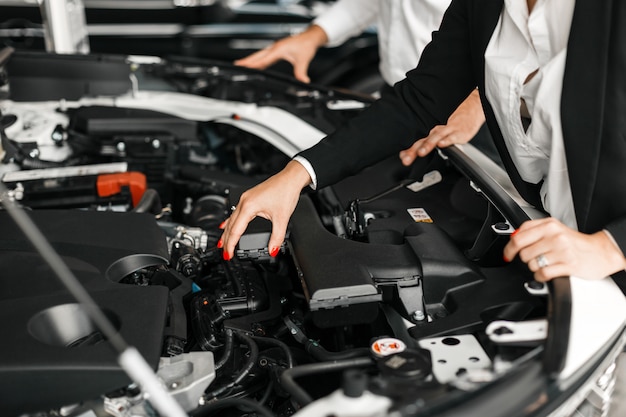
(389, 296)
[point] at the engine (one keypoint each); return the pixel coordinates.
(386, 281)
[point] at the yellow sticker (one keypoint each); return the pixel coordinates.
(419, 215)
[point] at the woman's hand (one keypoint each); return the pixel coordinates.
(551, 250)
(299, 50)
(274, 199)
(462, 126)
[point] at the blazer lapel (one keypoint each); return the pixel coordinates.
(582, 100)
(487, 15)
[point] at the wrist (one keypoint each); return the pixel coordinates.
(616, 259)
(314, 35)
(297, 174)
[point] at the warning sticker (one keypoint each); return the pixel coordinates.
(420, 215)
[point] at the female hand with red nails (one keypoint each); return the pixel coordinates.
(275, 199)
(551, 250)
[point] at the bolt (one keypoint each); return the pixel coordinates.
(501, 226)
(419, 315)
(156, 144)
(121, 146)
(34, 153)
(57, 136)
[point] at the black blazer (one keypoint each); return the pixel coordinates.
(593, 107)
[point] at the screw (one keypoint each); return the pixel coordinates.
(419, 315)
(121, 146)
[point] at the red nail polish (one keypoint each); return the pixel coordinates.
(514, 232)
(226, 256)
(220, 243)
(222, 225)
(274, 252)
(505, 258)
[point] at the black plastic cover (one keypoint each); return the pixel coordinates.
(51, 355)
(38, 76)
(341, 273)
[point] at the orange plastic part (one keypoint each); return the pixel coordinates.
(111, 184)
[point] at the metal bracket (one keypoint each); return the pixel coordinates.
(454, 356)
(521, 333)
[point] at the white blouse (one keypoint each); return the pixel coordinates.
(404, 28)
(520, 45)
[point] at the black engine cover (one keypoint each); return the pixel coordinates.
(51, 354)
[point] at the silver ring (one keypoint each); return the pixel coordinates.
(542, 261)
(233, 208)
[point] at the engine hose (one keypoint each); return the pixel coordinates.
(228, 349)
(288, 383)
(208, 409)
(33, 163)
(150, 203)
(252, 359)
(278, 343)
(268, 391)
(317, 351)
(321, 354)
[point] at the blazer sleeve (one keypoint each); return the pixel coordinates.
(426, 98)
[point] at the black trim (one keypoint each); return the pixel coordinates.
(559, 323)
(489, 187)
(560, 300)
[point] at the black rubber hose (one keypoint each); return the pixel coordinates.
(323, 355)
(34, 163)
(288, 383)
(252, 359)
(150, 203)
(268, 391)
(207, 409)
(228, 349)
(278, 343)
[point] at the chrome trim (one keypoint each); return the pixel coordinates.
(172, 29)
(156, 30)
(246, 28)
(146, 4)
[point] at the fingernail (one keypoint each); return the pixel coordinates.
(505, 258)
(222, 225)
(274, 252)
(514, 232)
(226, 256)
(220, 243)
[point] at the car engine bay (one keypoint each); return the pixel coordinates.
(391, 281)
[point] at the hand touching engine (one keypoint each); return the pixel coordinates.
(275, 199)
(462, 126)
(298, 50)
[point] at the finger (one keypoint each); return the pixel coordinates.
(277, 237)
(259, 60)
(300, 71)
(248, 61)
(549, 259)
(407, 156)
(235, 228)
(431, 141)
(527, 234)
(552, 271)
